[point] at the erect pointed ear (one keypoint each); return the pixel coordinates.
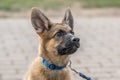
(68, 18)
(39, 21)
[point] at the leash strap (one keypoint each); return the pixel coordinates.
(79, 73)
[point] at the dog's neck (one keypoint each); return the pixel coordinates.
(54, 59)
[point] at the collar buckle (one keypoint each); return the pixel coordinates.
(51, 66)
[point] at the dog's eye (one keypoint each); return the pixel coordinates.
(60, 33)
(72, 32)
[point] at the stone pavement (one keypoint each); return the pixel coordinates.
(98, 57)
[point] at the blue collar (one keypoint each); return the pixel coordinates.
(51, 66)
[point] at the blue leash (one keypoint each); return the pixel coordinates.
(79, 73)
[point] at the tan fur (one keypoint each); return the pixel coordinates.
(47, 50)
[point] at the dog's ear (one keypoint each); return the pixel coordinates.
(39, 21)
(68, 18)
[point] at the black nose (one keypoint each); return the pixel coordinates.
(75, 39)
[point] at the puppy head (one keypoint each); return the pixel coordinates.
(56, 38)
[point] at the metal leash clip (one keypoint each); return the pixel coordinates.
(79, 73)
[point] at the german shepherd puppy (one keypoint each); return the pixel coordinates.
(57, 42)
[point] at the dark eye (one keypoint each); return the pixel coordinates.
(72, 32)
(60, 33)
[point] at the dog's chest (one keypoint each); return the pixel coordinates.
(58, 75)
(55, 75)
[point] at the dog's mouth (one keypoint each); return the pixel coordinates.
(72, 48)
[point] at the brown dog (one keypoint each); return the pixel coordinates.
(57, 43)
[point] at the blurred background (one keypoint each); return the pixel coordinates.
(19, 8)
(97, 24)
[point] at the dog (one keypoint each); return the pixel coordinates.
(57, 43)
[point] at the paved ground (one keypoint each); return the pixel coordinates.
(98, 57)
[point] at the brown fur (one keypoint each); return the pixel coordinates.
(47, 50)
